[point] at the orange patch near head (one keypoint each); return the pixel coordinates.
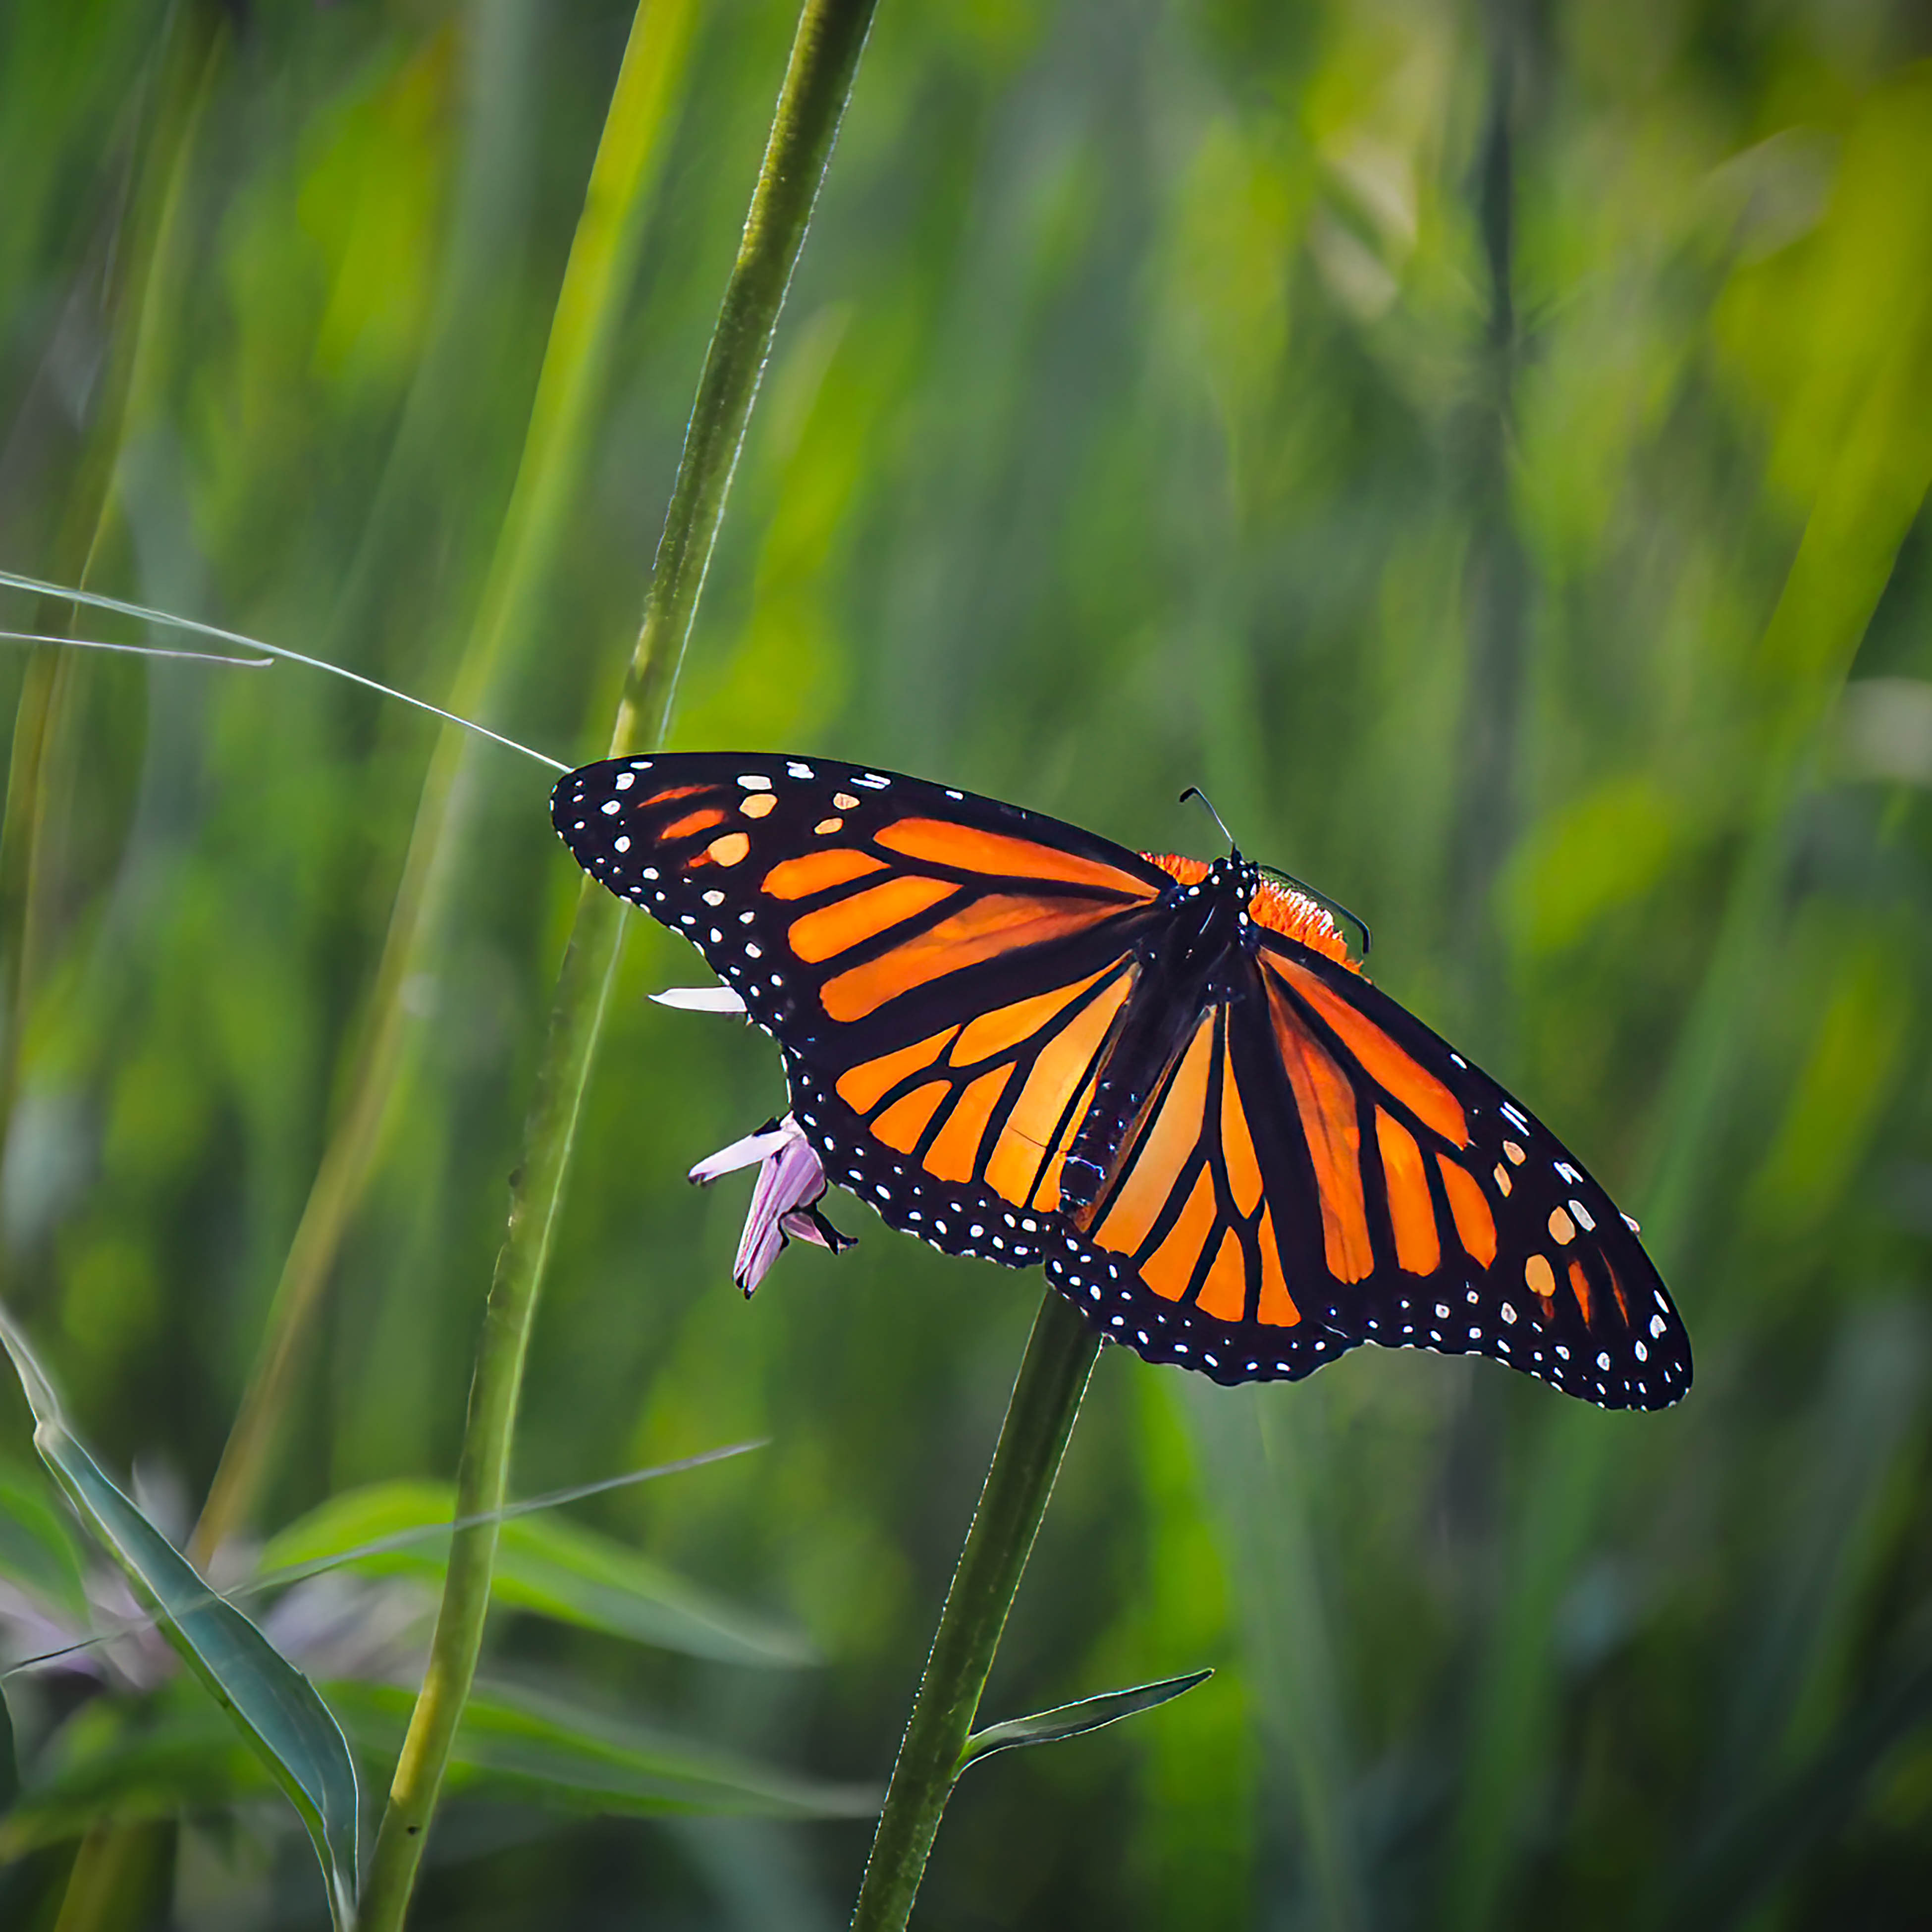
(818, 871)
(984, 930)
(1475, 1227)
(692, 822)
(1292, 914)
(994, 853)
(1418, 1246)
(850, 921)
(676, 792)
(1391, 1067)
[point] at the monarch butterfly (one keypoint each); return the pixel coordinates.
(1165, 1080)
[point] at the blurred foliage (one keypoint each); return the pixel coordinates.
(1487, 447)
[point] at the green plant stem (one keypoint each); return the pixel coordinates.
(831, 36)
(1046, 1403)
(596, 281)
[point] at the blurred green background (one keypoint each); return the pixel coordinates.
(1484, 444)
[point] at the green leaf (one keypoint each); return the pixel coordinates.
(533, 1748)
(546, 1565)
(277, 1709)
(1071, 1721)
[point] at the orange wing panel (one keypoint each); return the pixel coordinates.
(1277, 1308)
(1418, 1246)
(1327, 1105)
(992, 925)
(1171, 1267)
(995, 853)
(1237, 1144)
(954, 1154)
(1579, 1286)
(816, 872)
(1058, 1071)
(693, 821)
(992, 1033)
(860, 1087)
(1172, 1137)
(901, 1125)
(1395, 1070)
(837, 929)
(1475, 1226)
(1224, 1295)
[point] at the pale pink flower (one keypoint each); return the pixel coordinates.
(791, 1182)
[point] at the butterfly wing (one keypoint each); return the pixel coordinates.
(1322, 1170)
(942, 970)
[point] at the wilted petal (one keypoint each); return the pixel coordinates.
(790, 1181)
(760, 1146)
(701, 1000)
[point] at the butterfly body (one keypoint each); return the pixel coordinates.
(1165, 1080)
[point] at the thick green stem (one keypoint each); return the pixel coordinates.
(1039, 1420)
(824, 59)
(596, 279)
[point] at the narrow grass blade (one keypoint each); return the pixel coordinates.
(1075, 1720)
(277, 1709)
(557, 1569)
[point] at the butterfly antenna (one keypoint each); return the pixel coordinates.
(1195, 791)
(95, 601)
(1355, 920)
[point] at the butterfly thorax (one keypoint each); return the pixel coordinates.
(1192, 955)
